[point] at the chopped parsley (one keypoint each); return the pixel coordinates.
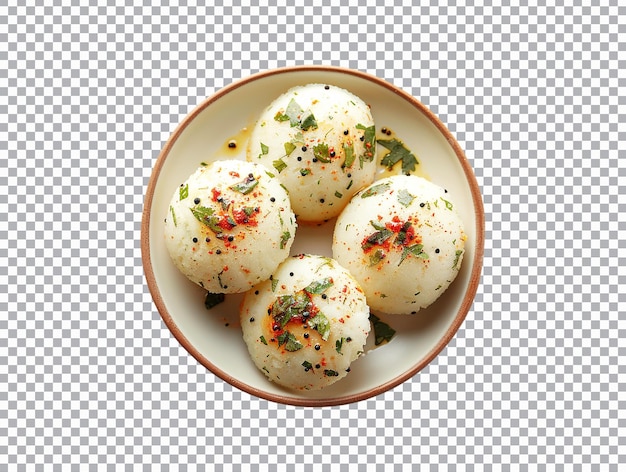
(397, 152)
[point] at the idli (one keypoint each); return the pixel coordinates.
(306, 325)
(229, 226)
(403, 240)
(320, 141)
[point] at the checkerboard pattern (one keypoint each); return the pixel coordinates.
(90, 378)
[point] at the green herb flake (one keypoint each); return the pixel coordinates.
(264, 149)
(348, 150)
(274, 283)
(405, 198)
(369, 137)
(290, 341)
(397, 152)
(205, 216)
(284, 238)
(308, 123)
(377, 238)
(376, 190)
(246, 185)
(213, 299)
(263, 340)
(173, 216)
(320, 152)
(307, 366)
(183, 192)
(417, 250)
(448, 204)
(457, 257)
(297, 116)
(321, 324)
(339, 345)
(289, 148)
(382, 331)
(279, 165)
(338, 194)
(320, 286)
(330, 373)
(305, 172)
(376, 257)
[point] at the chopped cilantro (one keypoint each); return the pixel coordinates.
(448, 204)
(397, 152)
(457, 256)
(319, 286)
(338, 194)
(330, 373)
(375, 190)
(213, 299)
(376, 257)
(284, 238)
(348, 150)
(246, 185)
(369, 137)
(173, 215)
(321, 324)
(377, 238)
(308, 122)
(183, 192)
(279, 165)
(289, 148)
(382, 331)
(338, 345)
(205, 216)
(307, 366)
(304, 172)
(297, 116)
(274, 283)
(290, 341)
(417, 250)
(320, 151)
(405, 198)
(262, 339)
(264, 149)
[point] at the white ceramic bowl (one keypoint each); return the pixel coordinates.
(214, 337)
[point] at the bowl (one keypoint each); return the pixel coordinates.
(218, 128)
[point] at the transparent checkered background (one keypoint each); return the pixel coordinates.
(90, 378)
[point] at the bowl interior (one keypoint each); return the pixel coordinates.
(213, 337)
